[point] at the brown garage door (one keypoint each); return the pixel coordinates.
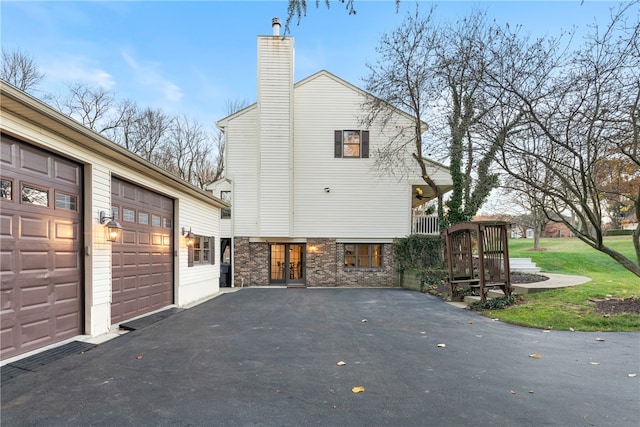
(142, 262)
(40, 246)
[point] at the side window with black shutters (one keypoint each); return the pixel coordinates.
(351, 144)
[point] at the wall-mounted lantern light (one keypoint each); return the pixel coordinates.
(189, 237)
(113, 226)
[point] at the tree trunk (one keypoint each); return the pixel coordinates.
(536, 237)
(624, 261)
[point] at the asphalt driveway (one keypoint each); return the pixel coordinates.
(269, 357)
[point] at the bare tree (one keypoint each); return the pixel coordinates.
(90, 105)
(583, 115)
(125, 123)
(233, 106)
(218, 146)
(402, 80)
(534, 204)
(20, 70)
(298, 9)
(151, 134)
(457, 72)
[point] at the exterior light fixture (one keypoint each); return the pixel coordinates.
(189, 237)
(113, 227)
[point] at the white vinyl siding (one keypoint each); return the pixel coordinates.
(361, 203)
(218, 187)
(242, 170)
(196, 283)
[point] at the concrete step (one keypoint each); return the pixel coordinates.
(523, 265)
(492, 293)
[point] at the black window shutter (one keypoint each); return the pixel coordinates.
(365, 144)
(212, 248)
(337, 150)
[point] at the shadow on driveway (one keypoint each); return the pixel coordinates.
(269, 357)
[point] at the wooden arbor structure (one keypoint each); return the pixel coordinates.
(478, 255)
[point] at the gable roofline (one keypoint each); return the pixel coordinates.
(223, 122)
(356, 89)
(41, 115)
(218, 182)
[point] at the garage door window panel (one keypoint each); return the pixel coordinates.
(143, 218)
(128, 215)
(35, 195)
(6, 189)
(67, 202)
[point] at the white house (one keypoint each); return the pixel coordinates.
(62, 276)
(308, 207)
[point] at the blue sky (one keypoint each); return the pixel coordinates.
(192, 58)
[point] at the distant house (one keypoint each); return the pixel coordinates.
(557, 229)
(63, 274)
(308, 207)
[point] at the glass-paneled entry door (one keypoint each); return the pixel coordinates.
(286, 263)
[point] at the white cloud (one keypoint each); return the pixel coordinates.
(130, 61)
(147, 74)
(76, 68)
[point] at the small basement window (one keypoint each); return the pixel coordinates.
(363, 255)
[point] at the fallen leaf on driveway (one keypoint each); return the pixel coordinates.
(632, 375)
(512, 391)
(594, 363)
(358, 389)
(470, 322)
(364, 320)
(441, 345)
(139, 357)
(341, 363)
(535, 356)
(531, 391)
(423, 332)
(599, 339)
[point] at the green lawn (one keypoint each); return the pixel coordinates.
(572, 308)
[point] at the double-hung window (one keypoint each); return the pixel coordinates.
(202, 251)
(351, 143)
